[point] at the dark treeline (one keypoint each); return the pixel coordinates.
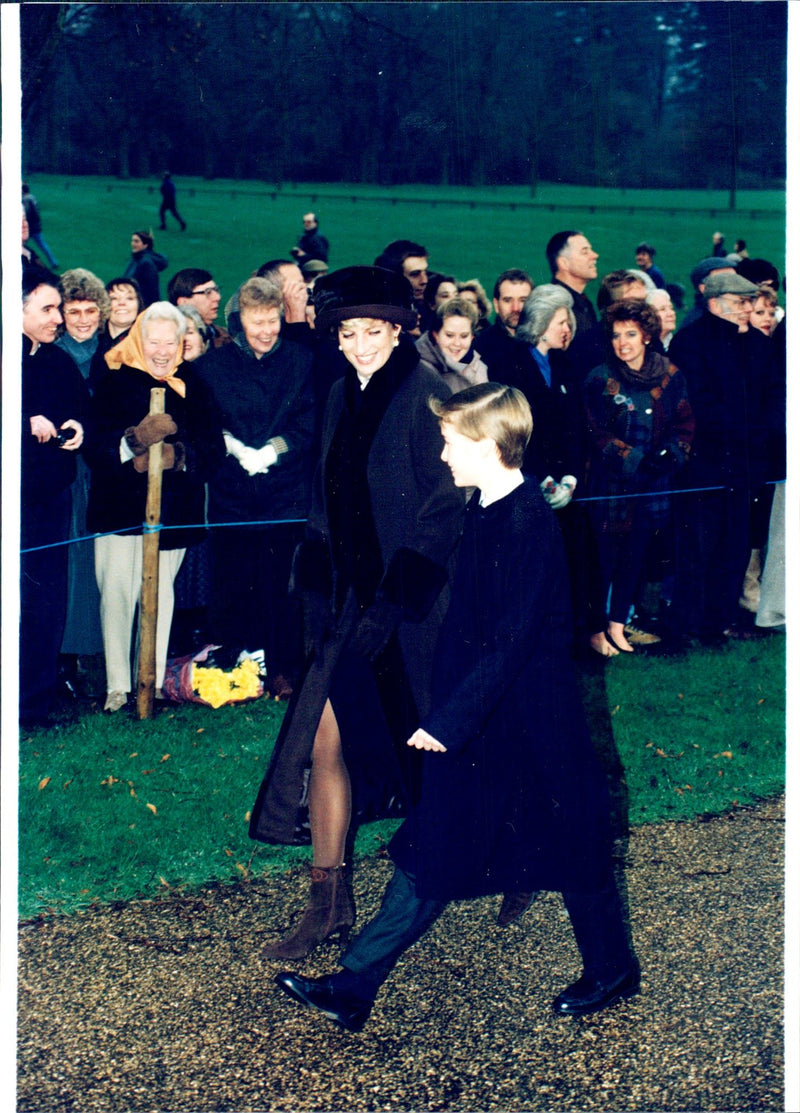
(612, 94)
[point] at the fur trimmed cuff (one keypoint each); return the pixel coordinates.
(311, 569)
(133, 442)
(412, 582)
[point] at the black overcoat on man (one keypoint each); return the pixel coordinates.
(728, 374)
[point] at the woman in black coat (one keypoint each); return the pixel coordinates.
(512, 792)
(384, 521)
(263, 388)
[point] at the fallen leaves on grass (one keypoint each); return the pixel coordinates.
(43, 783)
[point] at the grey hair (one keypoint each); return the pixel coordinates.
(651, 295)
(192, 313)
(643, 277)
(164, 311)
(539, 310)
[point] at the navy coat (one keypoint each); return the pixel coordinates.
(519, 801)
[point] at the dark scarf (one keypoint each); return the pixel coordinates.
(354, 539)
(649, 374)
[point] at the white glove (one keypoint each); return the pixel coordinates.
(255, 461)
(559, 494)
(233, 446)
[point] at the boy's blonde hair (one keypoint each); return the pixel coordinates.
(491, 410)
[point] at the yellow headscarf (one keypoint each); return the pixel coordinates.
(130, 351)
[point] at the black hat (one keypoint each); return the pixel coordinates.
(363, 292)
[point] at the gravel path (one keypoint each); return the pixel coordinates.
(165, 1005)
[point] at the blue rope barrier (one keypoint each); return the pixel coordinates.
(145, 528)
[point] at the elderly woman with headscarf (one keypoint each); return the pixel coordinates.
(122, 431)
(263, 388)
(371, 572)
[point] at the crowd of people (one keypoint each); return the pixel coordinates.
(419, 517)
(657, 447)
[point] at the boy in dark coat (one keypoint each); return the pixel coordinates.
(512, 796)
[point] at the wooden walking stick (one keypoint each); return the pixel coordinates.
(148, 604)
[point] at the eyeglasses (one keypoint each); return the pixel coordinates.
(206, 292)
(92, 311)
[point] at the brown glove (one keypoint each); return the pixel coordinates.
(150, 430)
(173, 457)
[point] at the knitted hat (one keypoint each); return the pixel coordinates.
(703, 269)
(363, 292)
(719, 284)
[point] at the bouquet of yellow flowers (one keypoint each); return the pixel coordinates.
(186, 679)
(217, 687)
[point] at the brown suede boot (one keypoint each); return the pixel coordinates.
(330, 910)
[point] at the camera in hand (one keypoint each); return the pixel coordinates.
(62, 436)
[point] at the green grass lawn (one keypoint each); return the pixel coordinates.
(113, 808)
(233, 227)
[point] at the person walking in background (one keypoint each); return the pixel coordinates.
(168, 202)
(512, 795)
(34, 218)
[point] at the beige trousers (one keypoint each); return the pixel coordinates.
(118, 568)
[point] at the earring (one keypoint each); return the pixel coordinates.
(395, 342)
(340, 347)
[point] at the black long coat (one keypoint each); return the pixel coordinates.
(417, 514)
(728, 378)
(259, 399)
(518, 801)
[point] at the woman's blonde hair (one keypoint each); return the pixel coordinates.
(484, 305)
(456, 307)
(491, 410)
(258, 293)
(766, 292)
